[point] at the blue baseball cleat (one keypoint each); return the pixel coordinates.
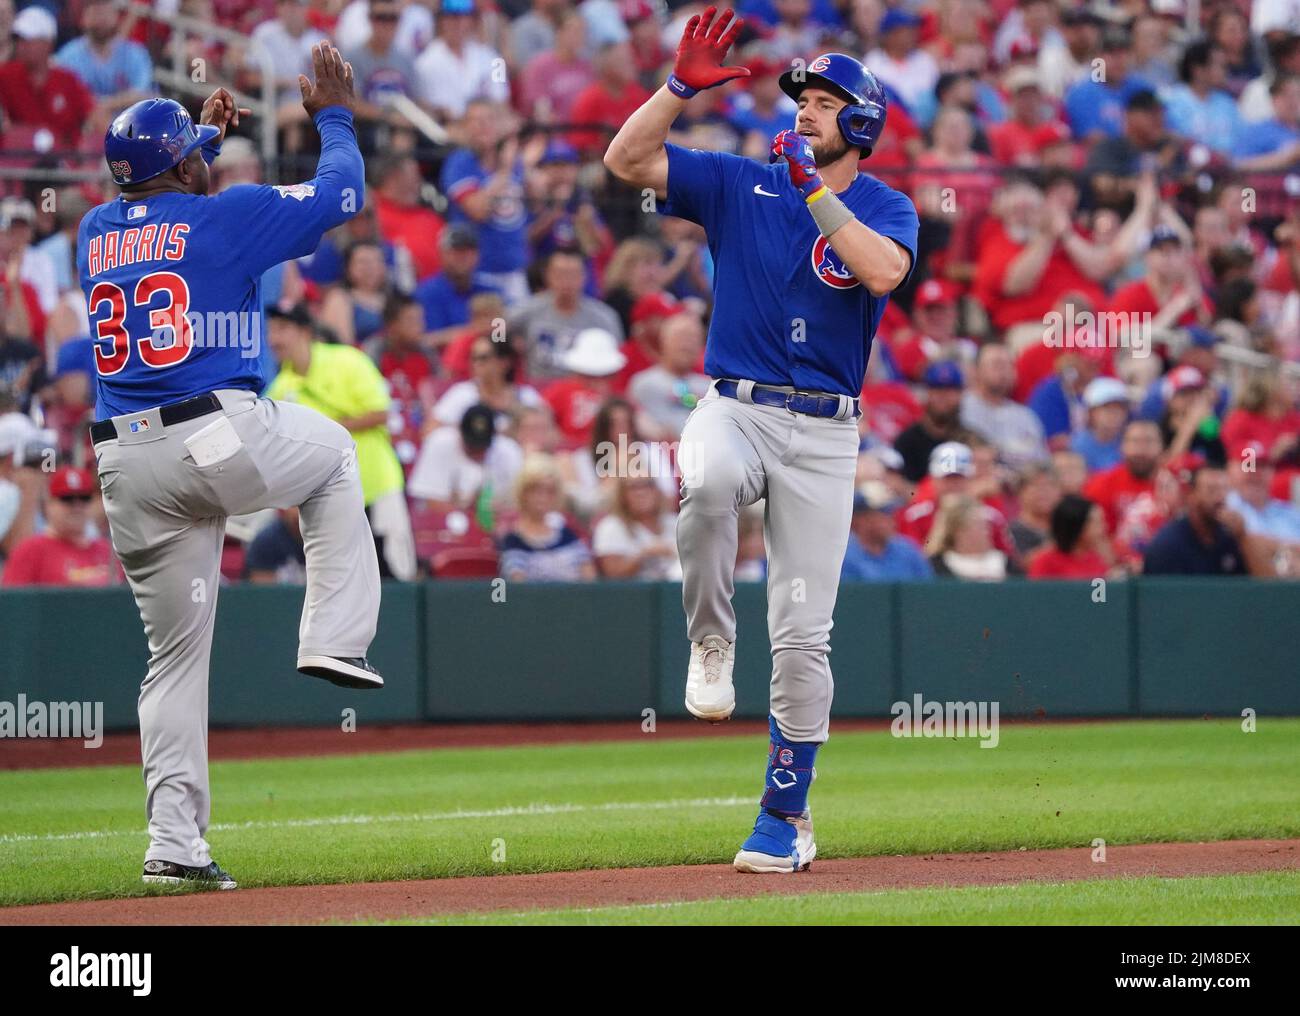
(779, 844)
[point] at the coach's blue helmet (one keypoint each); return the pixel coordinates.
(863, 119)
(150, 137)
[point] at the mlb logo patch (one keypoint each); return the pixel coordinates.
(136, 212)
(139, 425)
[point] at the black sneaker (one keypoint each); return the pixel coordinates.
(168, 873)
(352, 672)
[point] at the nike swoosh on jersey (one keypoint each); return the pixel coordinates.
(758, 189)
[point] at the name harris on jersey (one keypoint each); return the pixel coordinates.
(118, 248)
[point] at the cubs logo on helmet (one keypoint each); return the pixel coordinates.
(822, 63)
(829, 268)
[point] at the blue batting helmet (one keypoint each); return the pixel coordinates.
(151, 137)
(863, 119)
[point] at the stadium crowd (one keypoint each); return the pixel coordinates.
(1093, 370)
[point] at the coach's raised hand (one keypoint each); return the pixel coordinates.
(221, 111)
(333, 84)
(701, 53)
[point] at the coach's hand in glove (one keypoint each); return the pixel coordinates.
(700, 54)
(333, 85)
(798, 154)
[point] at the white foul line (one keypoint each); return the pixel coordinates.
(438, 816)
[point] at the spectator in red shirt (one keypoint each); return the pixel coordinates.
(592, 361)
(1078, 549)
(1266, 416)
(34, 92)
(1170, 292)
(613, 97)
(1032, 258)
(398, 352)
(1030, 124)
(952, 470)
(63, 555)
(1116, 488)
(642, 347)
(403, 219)
(553, 79)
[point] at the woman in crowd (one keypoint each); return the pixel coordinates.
(1078, 549)
(635, 270)
(638, 538)
(493, 382)
(616, 449)
(540, 546)
(354, 310)
(961, 543)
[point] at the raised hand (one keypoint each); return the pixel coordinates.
(798, 154)
(701, 53)
(221, 111)
(333, 84)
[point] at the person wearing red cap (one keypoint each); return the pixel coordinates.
(1149, 512)
(64, 555)
(642, 347)
(934, 313)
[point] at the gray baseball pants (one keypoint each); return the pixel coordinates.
(168, 515)
(733, 453)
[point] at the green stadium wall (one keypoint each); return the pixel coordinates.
(478, 651)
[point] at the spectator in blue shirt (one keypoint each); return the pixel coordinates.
(1057, 400)
(876, 553)
(1095, 108)
(1107, 403)
(445, 297)
(118, 71)
(1274, 144)
(484, 184)
(1200, 108)
(1210, 539)
(1251, 479)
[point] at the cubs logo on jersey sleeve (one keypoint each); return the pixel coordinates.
(828, 266)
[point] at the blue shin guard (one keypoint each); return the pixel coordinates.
(790, 772)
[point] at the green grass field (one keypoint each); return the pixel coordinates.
(1266, 898)
(79, 833)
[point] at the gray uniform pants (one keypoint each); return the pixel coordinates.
(168, 520)
(733, 453)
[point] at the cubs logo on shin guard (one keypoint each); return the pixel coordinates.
(790, 772)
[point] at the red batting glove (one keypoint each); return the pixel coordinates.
(700, 54)
(797, 152)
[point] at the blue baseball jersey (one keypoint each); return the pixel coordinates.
(786, 310)
(174, 281)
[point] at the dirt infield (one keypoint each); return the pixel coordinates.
(291, 742)
(622, 886)
(296, 742)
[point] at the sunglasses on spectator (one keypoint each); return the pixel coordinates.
(383, 16)
(74, 498)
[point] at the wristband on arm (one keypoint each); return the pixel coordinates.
(828, 211)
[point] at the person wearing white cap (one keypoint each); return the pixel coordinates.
(1106, 400)
(591, 362)
(35, 93)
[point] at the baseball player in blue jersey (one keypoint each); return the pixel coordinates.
(807, 251)
(183, 441)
